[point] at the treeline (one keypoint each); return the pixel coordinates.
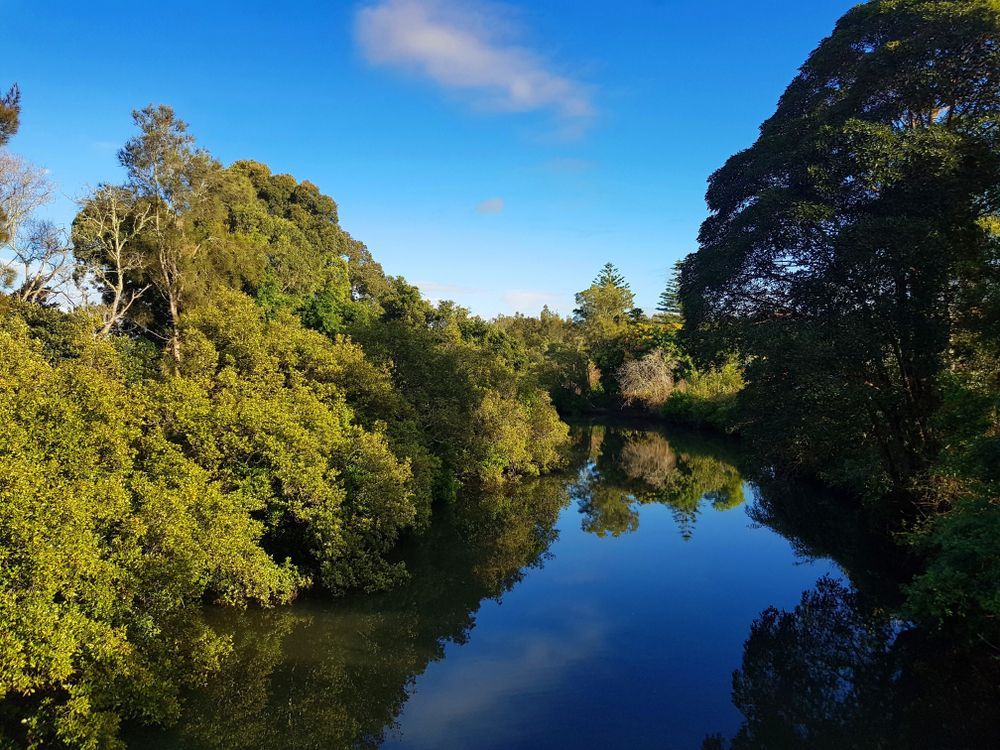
(611, 356)
(209, 391)
(851, 265)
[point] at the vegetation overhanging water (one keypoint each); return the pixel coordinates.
(604, 605)
(210, 392)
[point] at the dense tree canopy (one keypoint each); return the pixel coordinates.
(232, 403)
(850, 261)
(852, 243)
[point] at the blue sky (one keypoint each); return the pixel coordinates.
(496, 154)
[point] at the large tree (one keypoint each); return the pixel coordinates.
(850, 243)
(603, 308)
(167, 170)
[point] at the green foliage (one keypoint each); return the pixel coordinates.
(581, 362)
(837, 241)
(959, 584)
(669, 304)
(109, 532)
(259, 406)
(850, 258)
(470, 387)
(603, 308)
(960, 536)
(708, 397)
(252, 408)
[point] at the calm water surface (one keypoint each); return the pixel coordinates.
(605, 607)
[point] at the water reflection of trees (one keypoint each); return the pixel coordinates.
(841, 670)
(626, 468)
(336, 674)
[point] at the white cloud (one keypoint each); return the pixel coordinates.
(490, 206)
(465, 46)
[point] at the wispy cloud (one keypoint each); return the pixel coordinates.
(466, 46)
(490, 206)
(570, 165)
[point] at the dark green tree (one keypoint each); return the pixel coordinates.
(845, 247)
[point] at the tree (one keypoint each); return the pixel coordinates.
(649, 379)
(10, 109)
(165, 168)
(603, 308)
(106, 244)
(841, 244)
(670, 302)
(39, 257)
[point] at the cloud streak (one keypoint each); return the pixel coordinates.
(461, 46)
(490, 206)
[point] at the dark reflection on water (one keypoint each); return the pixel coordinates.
(838, 671)
(324, 674)
(569, 612)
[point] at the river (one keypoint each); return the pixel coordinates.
(605, 606)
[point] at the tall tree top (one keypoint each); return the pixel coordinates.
(162, 160)
(670, 298)
(610, 276)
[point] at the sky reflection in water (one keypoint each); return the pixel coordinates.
(604, 607)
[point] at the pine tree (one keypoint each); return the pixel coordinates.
(670, 302)
(610, 276)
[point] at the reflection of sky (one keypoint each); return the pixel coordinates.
(506, 668)
(616, 642)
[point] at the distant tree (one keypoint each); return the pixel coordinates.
(603, 308)
(610, 276)
(10, 110)
(669, 303)
(37, 262)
